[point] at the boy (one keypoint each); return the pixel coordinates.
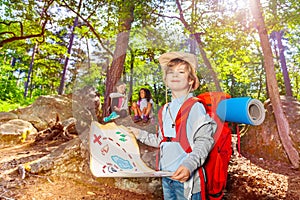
(179, 74)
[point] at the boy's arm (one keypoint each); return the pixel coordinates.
(146, 138)
(196, 158)
(202, 145)
(115, 95)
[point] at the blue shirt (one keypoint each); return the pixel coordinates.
(173, 108)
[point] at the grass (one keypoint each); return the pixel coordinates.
(6, 106)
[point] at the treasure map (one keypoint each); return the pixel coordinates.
(115, 153)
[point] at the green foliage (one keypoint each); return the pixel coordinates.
(226, 31)
(6, 106)
(11, 89)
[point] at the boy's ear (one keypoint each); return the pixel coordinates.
(191, 82)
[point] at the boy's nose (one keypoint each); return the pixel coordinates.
(175, 74)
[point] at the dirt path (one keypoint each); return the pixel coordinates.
(249, 178)
(51, 185)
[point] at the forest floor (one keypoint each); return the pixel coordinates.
(249, 178)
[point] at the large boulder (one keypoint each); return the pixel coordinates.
(6, 116)
(15, 131)
(263, 141)
(45, 110)
(86, 107)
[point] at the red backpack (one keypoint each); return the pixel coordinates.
(213, 173)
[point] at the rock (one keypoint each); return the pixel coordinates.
(263, 141)
(59, 159)
(150, 126)
(6, 116)
(146, 185)
(44, 110)
(86, 107)
(72, 157)
(15, 131)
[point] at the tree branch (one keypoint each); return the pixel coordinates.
(89, 26)
(22, 36)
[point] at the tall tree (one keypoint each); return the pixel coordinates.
(193, 26)
(281, 119)
(27, 83)
(114, 72)
(63, 75)
(287, 82)
(43, 23)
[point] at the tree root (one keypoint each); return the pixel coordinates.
(58, 131)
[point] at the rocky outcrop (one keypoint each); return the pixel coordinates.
(15, 131)
(6, 116)
(263, 141)
(45, 110)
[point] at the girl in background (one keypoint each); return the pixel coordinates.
(143, 108)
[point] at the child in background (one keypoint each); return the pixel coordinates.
(119, 102)
(143, 108)
(180, 76)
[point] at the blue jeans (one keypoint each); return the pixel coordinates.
(174, 190)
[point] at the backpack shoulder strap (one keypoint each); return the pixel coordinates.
(160, 122)
(182, 137)
(180, 123)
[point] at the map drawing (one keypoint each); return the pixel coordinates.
(114, 152)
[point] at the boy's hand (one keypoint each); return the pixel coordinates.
(117, 109)
(182, 174)
(134, 131)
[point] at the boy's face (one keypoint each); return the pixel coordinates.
(177, 78)
(121, 89)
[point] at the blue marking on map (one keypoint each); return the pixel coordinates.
(123, 164)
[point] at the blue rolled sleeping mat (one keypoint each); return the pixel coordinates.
(243, 110)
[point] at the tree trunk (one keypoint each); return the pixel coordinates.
(207, 63)
(281, 120)
(132, 58)
(63, 76)
(88, 53)
(115, 71)
(287, 81)
(27, 83)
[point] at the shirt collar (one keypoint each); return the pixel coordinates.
(181, 100)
